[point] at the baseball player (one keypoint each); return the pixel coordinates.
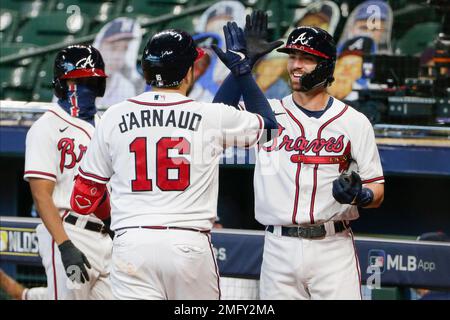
(18, 292)
(75, 249)
(310, 180)
(160, 152)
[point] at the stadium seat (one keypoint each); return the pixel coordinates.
(51, 28)
(26, 8)
(185, 23)
(418, 38)
(17, 94)
(43, 90)
(9, 20)
(155, 8)
(280, 16)
(20, 73)
(99, 10)
(17, 78)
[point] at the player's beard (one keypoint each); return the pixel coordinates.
(295, 84)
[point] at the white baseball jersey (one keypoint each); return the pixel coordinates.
(160, 153)
(55, 145)
(294, 173)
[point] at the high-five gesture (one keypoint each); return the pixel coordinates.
(256, 36)
(235, 57)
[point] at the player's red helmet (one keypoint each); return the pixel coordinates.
(319, 43)
(78, 61)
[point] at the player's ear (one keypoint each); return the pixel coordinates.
(190, 76)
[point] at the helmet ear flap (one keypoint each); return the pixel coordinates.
(60, 88)
(101, 87)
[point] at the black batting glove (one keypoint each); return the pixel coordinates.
(347, 189)
(256, 36)
(74, 261)
(235, 57)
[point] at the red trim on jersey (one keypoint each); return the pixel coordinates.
(299, 167)
(155, 104)
(295, 120)
(41, 173)
(258, 136)
(357, 261)
(70, 123)
(313, 195)
(54, 270)
(297, 191)
(91, 175)
(319, 133)
(373, 180)
(215, 265)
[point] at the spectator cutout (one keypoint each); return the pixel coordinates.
(118, 42)
(351, 73)
(373, 19)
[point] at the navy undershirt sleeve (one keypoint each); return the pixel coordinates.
(229, 92)
(254, 99)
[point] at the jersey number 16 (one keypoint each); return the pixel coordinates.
(163, 164)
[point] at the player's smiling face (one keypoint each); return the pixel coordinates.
(299, 63)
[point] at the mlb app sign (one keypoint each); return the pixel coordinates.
(378, 259)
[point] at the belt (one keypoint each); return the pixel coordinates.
(309, 232)
(91, 226)
(300, 158)
(163, 228)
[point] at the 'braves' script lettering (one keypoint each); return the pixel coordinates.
(68, 157)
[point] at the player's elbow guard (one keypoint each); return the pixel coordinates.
(87, 196)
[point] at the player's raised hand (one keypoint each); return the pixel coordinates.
(74, 261)
(256, 36)
(235, 57)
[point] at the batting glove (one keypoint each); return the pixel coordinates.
(256, 36)
(235, 57)
(74, 261)
(347, 189)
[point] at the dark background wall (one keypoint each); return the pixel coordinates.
(412, 205)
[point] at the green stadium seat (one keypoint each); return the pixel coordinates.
(155, 8)
(9, 20)
(100, 11)
(51, 28)
(27, 8)
(18, 75)
(17, 94)
(418, 38)
(185, 23)
(43, 90)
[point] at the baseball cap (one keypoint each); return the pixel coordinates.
(365, 10)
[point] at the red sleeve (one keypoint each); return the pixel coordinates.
(87, 195)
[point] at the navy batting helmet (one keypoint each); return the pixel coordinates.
(78, 61)
(168, 56)
(319, 43)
